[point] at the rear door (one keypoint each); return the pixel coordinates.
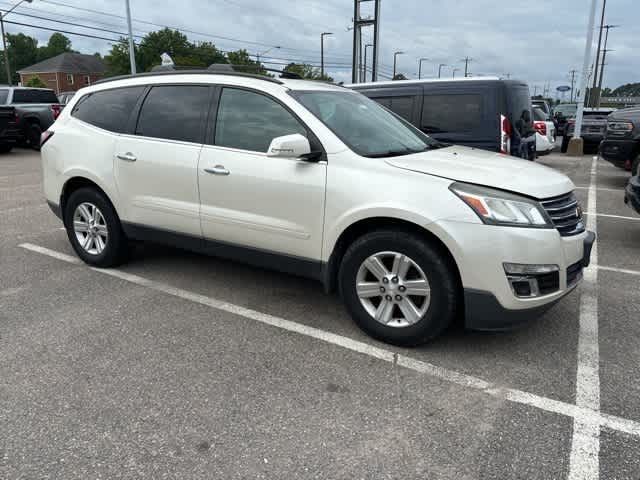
(156, 167)
(461, 114)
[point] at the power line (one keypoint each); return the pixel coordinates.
(62, 31)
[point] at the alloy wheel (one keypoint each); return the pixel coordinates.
(90, 228)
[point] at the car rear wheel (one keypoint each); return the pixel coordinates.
(33, 136)
(94, 229)
(398, 287)
(6, 148)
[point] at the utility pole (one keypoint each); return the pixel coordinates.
(604, 56)
(440, 69)
(395, 60)
(576, 144)
(358, 23)
(365, 59)
(4, 40)
(322, 35)
(595, 68)
(573, 81)
(466, 61)
(420, 67)
(264, 53)
(132, 52)
(535, 90)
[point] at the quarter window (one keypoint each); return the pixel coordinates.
(174, 112)
(108, 109)
(249, 121)
(452, 113)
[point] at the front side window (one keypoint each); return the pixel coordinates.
(250, 121)
(174, 112)
(459, 113)
(108, 109)
(364, 126)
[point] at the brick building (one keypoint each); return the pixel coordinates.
(66, 72)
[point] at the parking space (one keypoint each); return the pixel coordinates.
(183, 366)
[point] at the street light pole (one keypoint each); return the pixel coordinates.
(322, 35)
(604, 56)
(440, 69)
(595, 69)
(576, 144)
(4, 40)
(365, 59)
(395, 60)
(454, 72)
(132, 53)
(420, 67)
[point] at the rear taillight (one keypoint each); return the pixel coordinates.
(56, 109)
(505, 135)
(541, 127)
(45, 136)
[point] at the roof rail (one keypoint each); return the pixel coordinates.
(169, 70)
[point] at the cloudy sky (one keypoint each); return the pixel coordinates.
(535, 40)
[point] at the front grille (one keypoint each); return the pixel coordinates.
(566, 214)
(574, 274)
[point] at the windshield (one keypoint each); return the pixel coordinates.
(539, 115)
(363, 125)
(566, 110)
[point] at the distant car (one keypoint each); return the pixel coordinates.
(542, 105)
(35, 110)
(621, 144)
(594, 127)
(562, 114)
(545, 132)
(474, 112)
(65, 97)
(632, 193)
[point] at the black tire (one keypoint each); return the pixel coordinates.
(6, 148)
(565, 144)
(441, 275)
(116, 249)
(33, 136)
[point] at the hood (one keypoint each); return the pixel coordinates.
(489, 169)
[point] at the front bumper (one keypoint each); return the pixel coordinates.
(483, 311)
(632, 193)
(617, 152)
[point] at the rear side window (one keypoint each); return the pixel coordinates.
(174, 112)
(249, 121)
(34, 96)
(108, 109)
(452, 113)
(4, 94)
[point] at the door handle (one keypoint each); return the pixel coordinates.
(217, 170)
(127, 157)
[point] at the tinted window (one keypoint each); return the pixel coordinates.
(108, 109)
(34, 96)
(452, 113)
(174, 112)
(519, 102)
(249, 121)
(402, 106)
(539, 115)
(3, 96)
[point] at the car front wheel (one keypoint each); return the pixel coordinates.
(398, 287)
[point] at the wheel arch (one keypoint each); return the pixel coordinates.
(77, 182)
(370, 224)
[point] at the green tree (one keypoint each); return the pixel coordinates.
(243, 63)
(58, 43)
(162, 41)
(36, 82)
(204, 54)
(23, 52)
(117, 60)
(307, 72)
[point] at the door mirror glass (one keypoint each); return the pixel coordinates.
(289, 146)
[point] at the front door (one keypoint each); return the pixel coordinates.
(248, 199)
(156, 167)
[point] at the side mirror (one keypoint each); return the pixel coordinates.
(289, 146)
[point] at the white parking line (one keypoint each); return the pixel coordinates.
(587, 415)
(607, 215)
(584, 461)
(619, 270)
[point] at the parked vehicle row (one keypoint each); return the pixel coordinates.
(321, 181)
(35, 109)
(594, 127)
(621, 144)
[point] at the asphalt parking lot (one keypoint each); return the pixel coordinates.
(182, 366)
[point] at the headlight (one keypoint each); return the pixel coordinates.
(495, 207)
(619, 127)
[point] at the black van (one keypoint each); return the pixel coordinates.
(488, 113)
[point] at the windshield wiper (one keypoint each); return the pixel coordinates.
(396, 153)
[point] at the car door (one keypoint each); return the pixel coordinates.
(270, 204)
(157, 166)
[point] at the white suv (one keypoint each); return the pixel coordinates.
(319, 181)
